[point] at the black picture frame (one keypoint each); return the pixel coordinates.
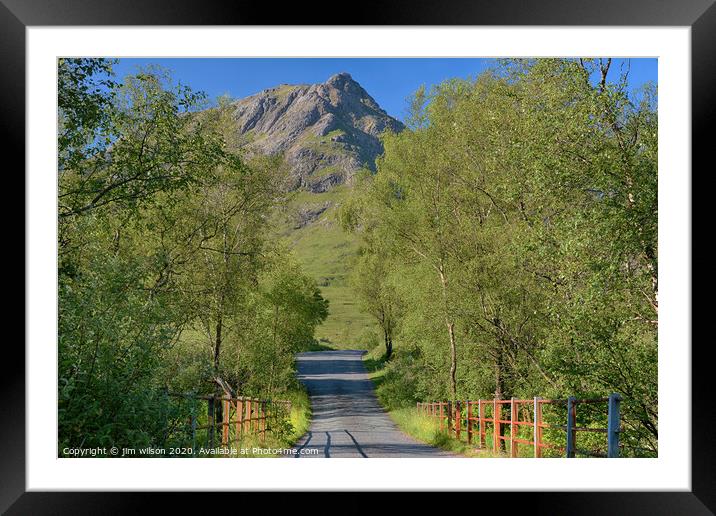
(17, 15)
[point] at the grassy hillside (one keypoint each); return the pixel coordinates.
(327, 253)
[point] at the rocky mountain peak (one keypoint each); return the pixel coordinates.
(341, 79)
(326, 131)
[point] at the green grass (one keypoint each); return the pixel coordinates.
(335, 195)
(283, 90)
(422, 428)
(323, 144)
(374, 362)
(300, 414)
(427, 430)
(323, 172)
(327, 253)
(320, 346)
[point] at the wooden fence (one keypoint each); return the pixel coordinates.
(226, 420)
(524, 414)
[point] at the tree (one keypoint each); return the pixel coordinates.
(118, 315)
(378, 297)
(520, 208)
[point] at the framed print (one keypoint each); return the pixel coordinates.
(438, 239)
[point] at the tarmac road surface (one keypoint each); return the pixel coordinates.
(347, 420)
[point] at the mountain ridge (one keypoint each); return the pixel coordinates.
(326, 131)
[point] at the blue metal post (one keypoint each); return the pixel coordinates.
(613, 426)
(570, 426)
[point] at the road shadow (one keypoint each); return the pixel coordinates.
(348, 420)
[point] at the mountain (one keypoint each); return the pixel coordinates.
(326, 132)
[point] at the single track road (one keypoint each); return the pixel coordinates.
(347, 419)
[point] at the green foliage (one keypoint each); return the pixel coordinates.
(143, 145)
(84, 100)
(518, 221)
(377, 295)
(167, 279)
(371, 340)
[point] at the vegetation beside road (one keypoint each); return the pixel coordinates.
(168, 278)
(510, 242)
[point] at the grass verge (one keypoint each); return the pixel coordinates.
(300, 414)
(407, 419)
(427, 430)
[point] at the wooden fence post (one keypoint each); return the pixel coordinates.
(441, 415)
(480, 421)
(469, 422)
(613, 424)
(513, 427)
(458, 419)
(225, 418)
(571, 413)
(449, 417)
(537, 433)
(247, 420)
(239, 417)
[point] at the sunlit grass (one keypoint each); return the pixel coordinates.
(427, 430)
(326, 253)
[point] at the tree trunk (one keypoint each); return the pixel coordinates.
(500, 389)
(218, 407)
(451, 333)
(116, 239)
(217, 342)
(388, 344)
(453, 359)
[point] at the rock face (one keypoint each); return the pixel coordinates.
(325, 131)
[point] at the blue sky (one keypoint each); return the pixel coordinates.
(390, 81)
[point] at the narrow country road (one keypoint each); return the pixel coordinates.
(347, 418)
